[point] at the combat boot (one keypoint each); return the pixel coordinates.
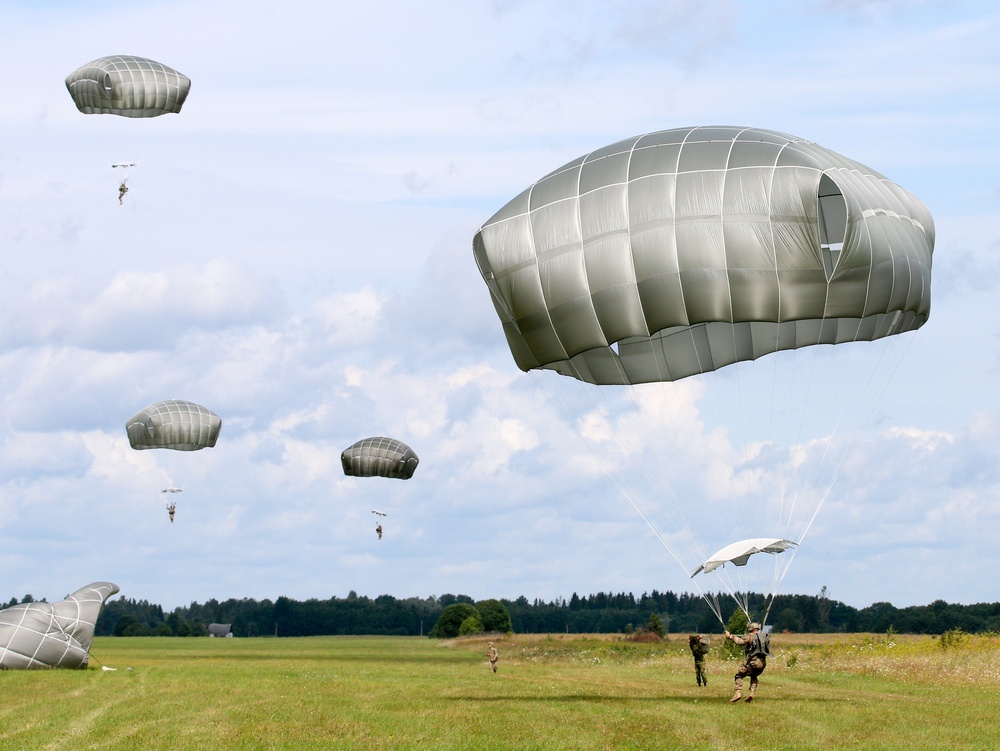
(750, 696)
(736, 697)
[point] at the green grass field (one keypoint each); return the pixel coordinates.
(551, 692)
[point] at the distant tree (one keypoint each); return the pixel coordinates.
(449, 599)
(174, 622)
(788, 620)
(737, 624)
(879, 617)
(494, 616)
(823, 606)
(128, 626)
(450, 621)
(470, 626)
(655, 625)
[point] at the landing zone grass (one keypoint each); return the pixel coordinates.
(550, 692)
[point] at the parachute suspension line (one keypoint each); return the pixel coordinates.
(780, 569)
(881, 387)
(750, 504)
(888, 354)
(737, 495)
(769, 443)
(759, 388)
(721, 452)
(791, 489)
(825, 477)
(788, 495)
(842, 398)
(669, 394)
(712, 600)
(562, 408)
(713, 605)
(650, 482)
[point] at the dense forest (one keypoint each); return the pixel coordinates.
(596, 613)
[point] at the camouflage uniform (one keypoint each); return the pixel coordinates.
(757, 650)
(491, 653)
(699, 648)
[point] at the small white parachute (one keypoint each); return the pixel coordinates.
(738, 553)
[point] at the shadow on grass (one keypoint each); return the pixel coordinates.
(599, 699)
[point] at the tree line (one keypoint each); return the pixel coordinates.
(604, 612)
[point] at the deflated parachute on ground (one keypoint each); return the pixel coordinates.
(679, 252)
(173, 424)
(379, 457)
(129, 86)
(52, 635)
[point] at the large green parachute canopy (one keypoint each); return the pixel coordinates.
(379, 457)
(682, 251)
(173, 424)
(128, 86)
(52, 635)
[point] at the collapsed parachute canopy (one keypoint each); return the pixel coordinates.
(52, 635)
(128, 86)
(173, 424)
(379, 457)
(682, 251)
(738, 553)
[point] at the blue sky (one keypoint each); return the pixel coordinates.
(295, 254)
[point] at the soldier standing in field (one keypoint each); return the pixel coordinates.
(491, 653)
(699, 648)
(757, 649)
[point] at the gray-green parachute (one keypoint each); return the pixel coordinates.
(379, 457)
(682, 251)
(129, 86)
(173, 424)
(52, 635)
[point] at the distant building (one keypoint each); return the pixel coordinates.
(220, 629)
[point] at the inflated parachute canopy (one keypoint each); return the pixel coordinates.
(738, 553)
(128, 86)
(682, 251)
(173, 424)
(52, 635)
(379, 457)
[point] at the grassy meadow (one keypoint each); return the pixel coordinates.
(827, 692)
